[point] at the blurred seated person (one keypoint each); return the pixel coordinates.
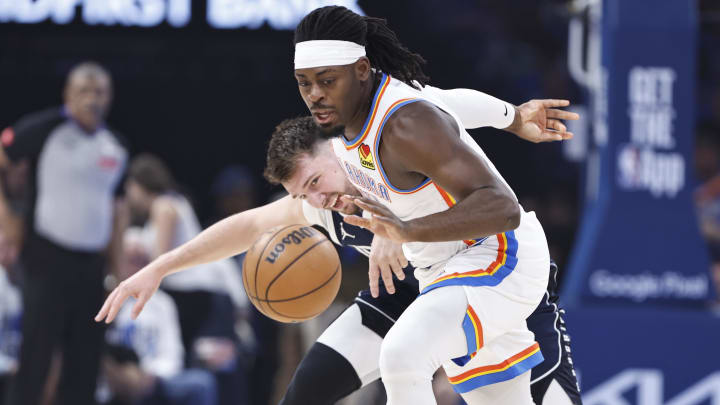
(707, 196)
(208, 297)
(234, 190)
(169, 221)
(143, 358)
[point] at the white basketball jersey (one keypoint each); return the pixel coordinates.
(359, 159)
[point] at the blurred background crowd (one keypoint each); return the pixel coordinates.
(190, 110)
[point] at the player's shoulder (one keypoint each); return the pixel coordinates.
(411, 107)
(415, 119)
(119, 137)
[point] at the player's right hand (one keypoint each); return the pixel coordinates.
(541, 121)
(386, 258)
(141, 286)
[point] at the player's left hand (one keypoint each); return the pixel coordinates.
(540, 121)
(141, 286)
(381, 222)
(386, 258)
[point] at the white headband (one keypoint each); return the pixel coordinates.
(311, 54)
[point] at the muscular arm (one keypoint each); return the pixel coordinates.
(421, 139)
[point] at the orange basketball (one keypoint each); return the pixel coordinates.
(292, 273)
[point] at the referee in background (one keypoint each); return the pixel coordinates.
(66, 236)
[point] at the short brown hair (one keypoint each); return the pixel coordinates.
(291, 138)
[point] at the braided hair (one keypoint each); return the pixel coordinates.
(382, 46)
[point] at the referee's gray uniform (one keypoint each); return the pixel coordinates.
(68, 227)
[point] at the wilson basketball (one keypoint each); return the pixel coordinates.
(292, 273)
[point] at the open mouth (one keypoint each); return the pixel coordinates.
(335, 202)
(323, 117)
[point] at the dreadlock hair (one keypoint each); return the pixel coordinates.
(291, 139)
(382, 46)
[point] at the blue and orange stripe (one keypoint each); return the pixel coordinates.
(371, 116)
(492, 275)
(473, 335)
(450, 201)
(394, 107)
(503, 371)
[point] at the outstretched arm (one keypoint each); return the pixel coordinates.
(229, 237)
(535, 121)
(475, 108)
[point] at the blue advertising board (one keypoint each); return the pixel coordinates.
(646, 356)
(639, 240)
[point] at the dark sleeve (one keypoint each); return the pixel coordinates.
(26, 138)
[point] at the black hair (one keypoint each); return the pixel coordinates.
(382, 46)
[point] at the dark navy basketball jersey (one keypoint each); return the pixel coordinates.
(378, 314)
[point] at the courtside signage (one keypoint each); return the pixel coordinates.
(221, 14)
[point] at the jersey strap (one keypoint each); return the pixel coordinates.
(394, 107)
(384, 81)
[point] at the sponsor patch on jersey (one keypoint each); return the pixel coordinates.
(366, 159)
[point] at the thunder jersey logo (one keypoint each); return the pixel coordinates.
(366, 183)
(366, 159)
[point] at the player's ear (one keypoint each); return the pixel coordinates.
(362, 68)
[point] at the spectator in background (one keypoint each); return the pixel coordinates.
(143, 360)
(234, 190)
(170, 221)
(707, 195)
(207, 296)
(66, 234)
(10, 314)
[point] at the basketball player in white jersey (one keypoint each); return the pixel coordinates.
(482, 261)
(346, 355)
